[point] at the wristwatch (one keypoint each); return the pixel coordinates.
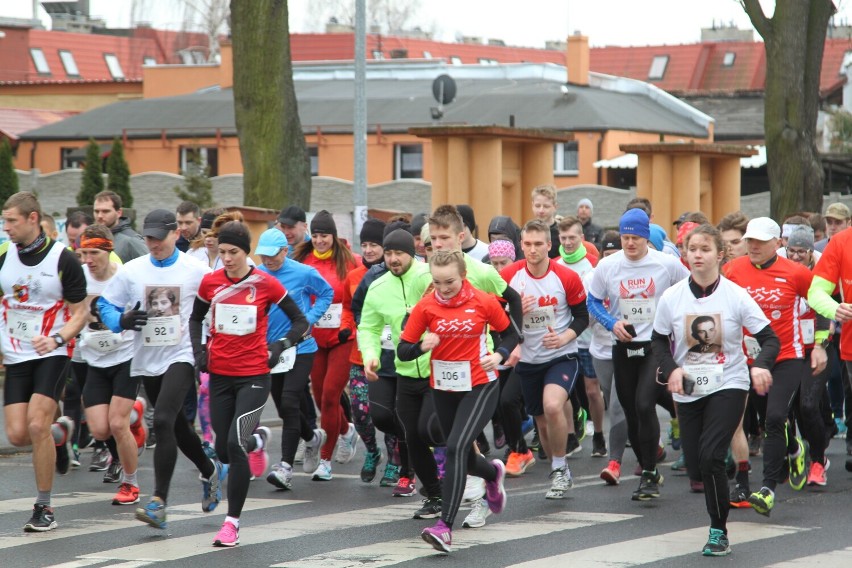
(58, 339)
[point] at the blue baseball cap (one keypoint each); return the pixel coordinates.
(271, 242)
(635, 222)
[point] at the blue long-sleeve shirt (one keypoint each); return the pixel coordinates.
(599, 312)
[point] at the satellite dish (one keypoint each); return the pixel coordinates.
(444, 89)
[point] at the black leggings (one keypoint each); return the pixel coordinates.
(707, 426)
(382, 395)
(236, 404)
(810, 417)
(462, 416)
(287, 391)
(786, 378)
(639, 393)
(512, 410)
(172, 429)
(416, 412)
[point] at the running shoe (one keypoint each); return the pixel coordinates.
(42, 519)
(75, 456)
(762, 501)
(679, 464)
(754, 443)
(799, 465)
(495, 492)
(817, 476)
(101, 459)
(211, 489)
(440, 536)
(312, 451)
(739, 496)
(717, 544)
(560, 482)
(611, 474)
(649, 486)
(499, 436)
(113, 472)
(440, 454)
(154, 513)
(300, 453)
(431, 509)
(661, 453)
(228, 535)
(518, 463)
(696, 486)
(478, 513)
(474, 488)
(391, 476)
(151, 442)
(527, 425)
(139, 429)
(371, 464)
(63, 459)
(323, 471)
(573, 446)
(258, 459)
(841, 428)
(127, 495)
(598, 445)
(281, 476)
(580, 419)
(674, 434)
(405, 487)
(209, 450)
(347, 445)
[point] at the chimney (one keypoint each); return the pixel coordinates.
(226, 64)
(577, 59)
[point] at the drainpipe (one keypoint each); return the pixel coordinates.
(600, 157)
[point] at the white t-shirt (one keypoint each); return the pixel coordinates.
(633, 287)
(103, 349)
(581, 268)
(708, 334)
(479, 250)
(168, 293)
(600, 345)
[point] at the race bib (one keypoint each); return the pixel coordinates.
(23, 324)
(331, 318)
(452, 375)
(807, 331)
(387, 338)
(637, 310)
(161, 331)
(103, 341)
(539, 318)
(707, 377)
(752, 347)
(285, 361)
(233, 319)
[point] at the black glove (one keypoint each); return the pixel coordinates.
(344, 334)
(276, 348)
(201, 360)
(134, 319)
(98, 324)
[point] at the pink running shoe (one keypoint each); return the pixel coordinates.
(228, 535)
(495, 493)
(440, 536)
(259, 459)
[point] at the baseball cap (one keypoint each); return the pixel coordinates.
(837, 211)
(762, 229)
(271, 242)
(158, 224)
(682, 219)
(292, 215)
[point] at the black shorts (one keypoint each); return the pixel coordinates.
(561, 371)
(45, 376)
(104, 383)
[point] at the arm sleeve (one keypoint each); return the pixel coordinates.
(769, 348)
(516, 310)
(407, 351)
(110, 314)
(819, 297)
(298, 323)
(196, 323)
(598, 311)
(662, 351)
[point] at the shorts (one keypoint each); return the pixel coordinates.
(586, 365)
(45, 376)
(104, 383)
(561, 371)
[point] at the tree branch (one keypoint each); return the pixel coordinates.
(758, 18)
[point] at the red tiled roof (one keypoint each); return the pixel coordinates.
(14, 121)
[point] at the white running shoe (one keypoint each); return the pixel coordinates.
(281, 476)
(323, 471)
(300, 453)
(561, 482)
(347, 445)
(474, 488)
(478, 514)
(312, 451)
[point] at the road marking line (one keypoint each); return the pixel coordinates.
(25, 504)
(828, 559)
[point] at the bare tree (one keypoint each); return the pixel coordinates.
(794, 39)
(209, 16)
(390, 15)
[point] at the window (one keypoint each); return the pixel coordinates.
(408, 161)
(114, 66)
(847, 59)
(455, 60)
(72, 157)
(427, 55)
(377, 54)
(729, 58)
(313, 156)
(149, 61)
(68, 62)
(565, 158)
(207, 158)
(487, 61)
(40, 62)
(658, 67)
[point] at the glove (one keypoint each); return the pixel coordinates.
(344, 334)
(98, 324)
(201, 360)
(134, 319)
(276, 348)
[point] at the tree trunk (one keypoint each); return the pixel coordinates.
(272, 144)
(794, 41)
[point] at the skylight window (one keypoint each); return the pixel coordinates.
(114, 66)
(658, 67)
(68, 62)
(728, 60)
(40, 61)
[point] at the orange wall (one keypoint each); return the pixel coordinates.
(336, 155)
(69, 96)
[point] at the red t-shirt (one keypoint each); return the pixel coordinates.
(462, 329)
(835, 266)
(326, 337)
(778, 290)
(237, 344)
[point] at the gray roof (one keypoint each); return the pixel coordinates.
(395, 104)
(738, 117)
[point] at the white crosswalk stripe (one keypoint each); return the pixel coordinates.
(833, 559)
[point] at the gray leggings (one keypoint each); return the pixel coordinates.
(604, 369)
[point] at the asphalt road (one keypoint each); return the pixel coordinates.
(348, 523)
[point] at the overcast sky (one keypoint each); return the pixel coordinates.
(527, 23)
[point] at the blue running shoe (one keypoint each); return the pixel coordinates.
(154, 513)
(211, 491)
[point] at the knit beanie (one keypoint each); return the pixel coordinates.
(372, 231)
(500, 248)
(323, 223)
(233, 233)
(635, 222)
(400, 240)
(801, 237)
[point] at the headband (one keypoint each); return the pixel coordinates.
(501, 248)
(97, 243)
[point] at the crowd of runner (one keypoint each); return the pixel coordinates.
(174, 339)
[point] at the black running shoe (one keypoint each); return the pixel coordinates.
(649, 486)
(113, 472)
(598, 445)
(42, 519)
(431, 509)
(371, 464)
(573, 446)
